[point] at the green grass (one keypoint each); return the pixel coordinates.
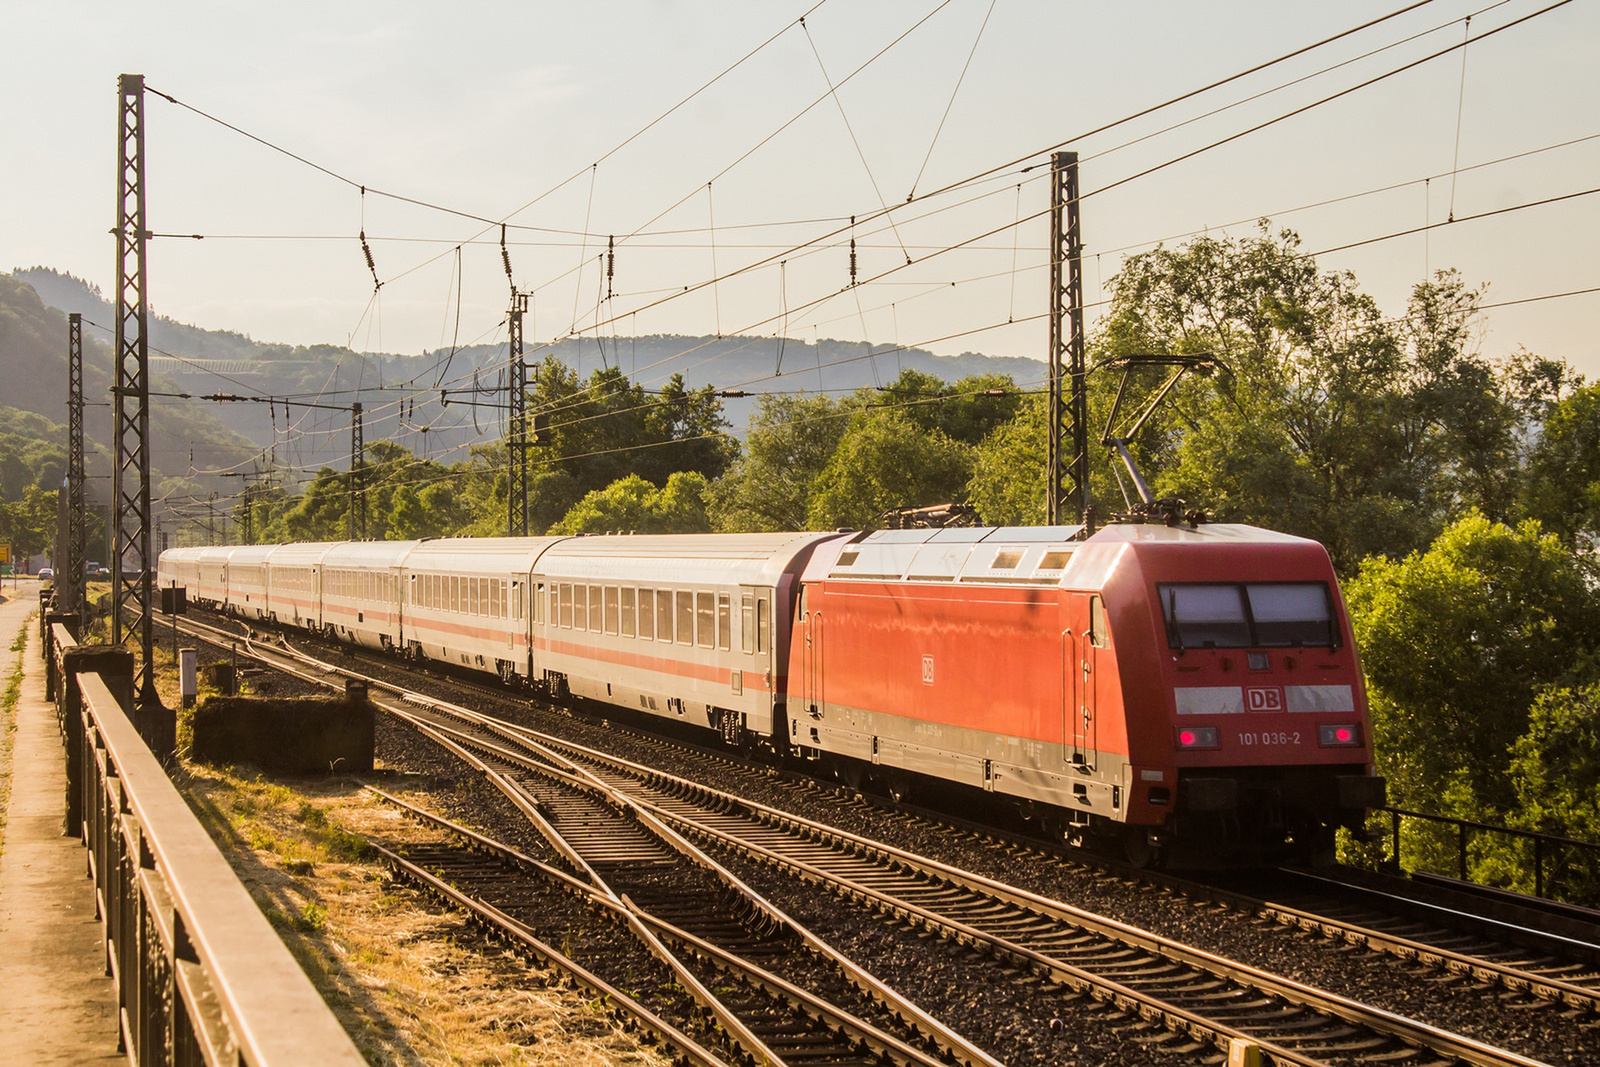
(8, 729)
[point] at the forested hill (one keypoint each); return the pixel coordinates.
(754, 363)
(33, 382)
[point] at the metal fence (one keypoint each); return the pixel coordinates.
(201, 976)
(1456, 835)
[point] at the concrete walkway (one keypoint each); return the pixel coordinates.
(56, 1004)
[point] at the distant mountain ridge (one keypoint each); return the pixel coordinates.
(208, 361)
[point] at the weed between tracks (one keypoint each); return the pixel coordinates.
(412, 985)
(8, 724)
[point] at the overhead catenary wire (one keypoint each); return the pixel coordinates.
(1222, 81)
(634, 311)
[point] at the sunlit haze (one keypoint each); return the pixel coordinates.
(489, 108)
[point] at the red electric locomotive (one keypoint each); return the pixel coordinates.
(1188, 686)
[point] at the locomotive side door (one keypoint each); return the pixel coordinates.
(1069, 696)
(1085, 683)
(812, 668)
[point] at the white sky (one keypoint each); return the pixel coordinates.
(484, 106)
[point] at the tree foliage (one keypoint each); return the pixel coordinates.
(790, 441)
(886, 460)
(1329, 420)
(28, 524)
(607, 428)
(1562, 487)
(1457, 641)
(634, 505)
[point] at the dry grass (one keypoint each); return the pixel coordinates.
(8, 723)
(411, 984)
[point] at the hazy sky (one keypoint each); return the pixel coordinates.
(484, 107)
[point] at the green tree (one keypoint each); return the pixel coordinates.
(967, 410)
(1456, 643)
(790, 441)
(1331, 420)
(1562, 487)
(599, 431)
(885, 460)
(633, 505)
(29, 523)
(1555, 764)
(1008, 477)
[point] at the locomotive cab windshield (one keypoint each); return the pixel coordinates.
(1248, 615)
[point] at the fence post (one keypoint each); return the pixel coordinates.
(1538, 866)
(1461, 835)
(52, 676)
(115, 666)
(1394, 855)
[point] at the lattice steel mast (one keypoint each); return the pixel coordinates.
(358, 473)
(132, 575)
(1067, 498)
(70, 580)
(517, 426)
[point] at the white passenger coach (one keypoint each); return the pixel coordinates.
(683, 628)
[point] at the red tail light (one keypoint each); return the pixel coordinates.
(1198, 737)
(1342, 736)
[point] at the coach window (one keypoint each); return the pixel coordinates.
(747, 624)
(685, 617)
(496, 598)
(628, 594)
(763, 624)
(664, 615)
(595, 618)
(647, 614)
(580, 607)
(612, 604)
(566, 606)
(705, 604)
(724, 621)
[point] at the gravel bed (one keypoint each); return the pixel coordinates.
(451, 786)
(1490, 1014)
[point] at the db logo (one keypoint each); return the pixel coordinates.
(1263, 698)
(927, 670)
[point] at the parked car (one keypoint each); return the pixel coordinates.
(46, 574)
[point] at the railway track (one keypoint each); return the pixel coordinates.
(653, 882)
(1430, 931)
(1189, 994)
(795, 1026)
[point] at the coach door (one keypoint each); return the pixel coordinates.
(392, 594)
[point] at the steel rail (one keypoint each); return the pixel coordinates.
(828, 1013)
(1407, 1031)
(740, 1033)
(952, 1042)
(201, 975)
(529, 940)
(1521, 979)
(948, 1039)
